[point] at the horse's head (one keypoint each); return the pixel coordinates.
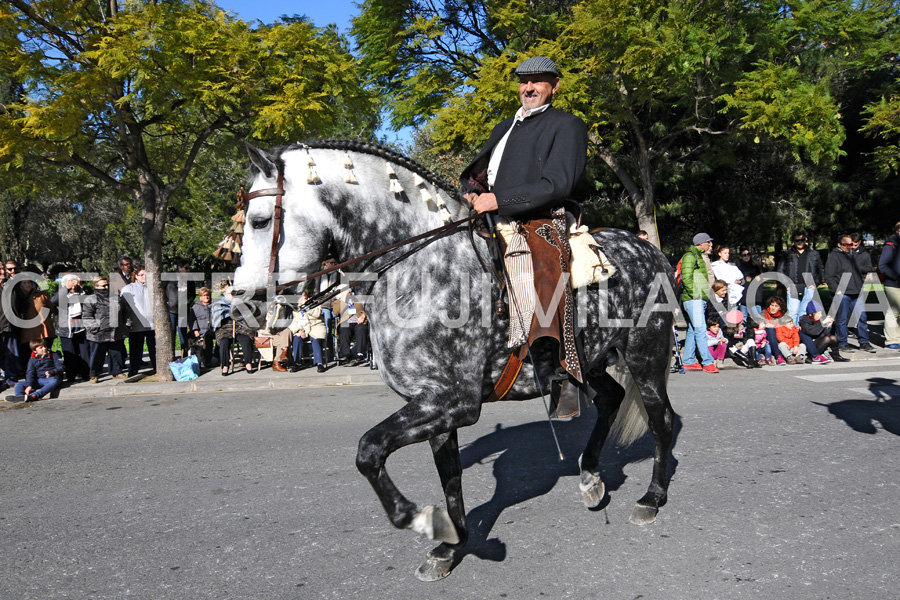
(341, 197)
(300, 233)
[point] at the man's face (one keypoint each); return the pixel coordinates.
(71, 284)
(2, 273)
(745, 256)
(11, 270)
(846, 244)
(126, 267)
(537, 90)
(705, 246)
(800, 241)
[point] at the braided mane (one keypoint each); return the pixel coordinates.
(382, 152)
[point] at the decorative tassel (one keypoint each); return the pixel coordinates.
(423, 191)
(396, 188)
(312, 177)
(446, 217)
(349, 177)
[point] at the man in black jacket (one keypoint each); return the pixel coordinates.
(533, 159)
(804, 267)
(845, 274)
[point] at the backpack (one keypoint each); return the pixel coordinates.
(679, 281)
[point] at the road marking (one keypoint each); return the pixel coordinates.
(882, 376)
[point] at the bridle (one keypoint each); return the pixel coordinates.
(278, 227)
(277, 217)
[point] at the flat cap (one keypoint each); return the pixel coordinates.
(701, 238)
(536, 65)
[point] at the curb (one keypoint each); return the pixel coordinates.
(212, 382)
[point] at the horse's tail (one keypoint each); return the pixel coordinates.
(631, 422)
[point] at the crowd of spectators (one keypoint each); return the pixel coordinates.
(94, 322)
(727, 317)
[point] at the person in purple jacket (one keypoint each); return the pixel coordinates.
(44, 374)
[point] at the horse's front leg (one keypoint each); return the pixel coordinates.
(608, 399)
(418, 421)
(449, 466)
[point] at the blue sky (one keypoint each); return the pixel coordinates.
(322, 12)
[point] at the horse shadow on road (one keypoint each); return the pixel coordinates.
(862, 415)
(526, 465)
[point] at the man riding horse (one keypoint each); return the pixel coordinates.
(526, 172)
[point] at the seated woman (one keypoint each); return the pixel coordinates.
(815, 332)
(228, 331)
(308, 325)
(775, 315)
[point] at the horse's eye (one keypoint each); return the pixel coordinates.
(259, 222)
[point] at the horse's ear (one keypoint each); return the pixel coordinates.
(261, 161)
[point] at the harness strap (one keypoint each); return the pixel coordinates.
(277, 217)
(507, 378)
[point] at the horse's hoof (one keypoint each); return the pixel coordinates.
(434, 523)
(592, 492)
(433, 568)
(643, 514)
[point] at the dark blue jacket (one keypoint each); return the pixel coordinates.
(38, 367)
(544, 158)
(889, 263)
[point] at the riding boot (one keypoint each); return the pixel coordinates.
(278, 363)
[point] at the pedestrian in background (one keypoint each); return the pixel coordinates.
(889, 268)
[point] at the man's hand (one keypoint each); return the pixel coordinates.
(482, 203)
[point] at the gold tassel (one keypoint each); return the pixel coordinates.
(312, 177)
(349, 176)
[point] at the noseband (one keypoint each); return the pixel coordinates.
(277, 218)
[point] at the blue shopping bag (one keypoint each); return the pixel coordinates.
(185, 369)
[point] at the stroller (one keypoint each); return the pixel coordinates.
(678, 365)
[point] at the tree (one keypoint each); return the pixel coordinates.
(132, 93)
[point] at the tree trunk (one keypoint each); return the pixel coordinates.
(642, 199)
(154, 206)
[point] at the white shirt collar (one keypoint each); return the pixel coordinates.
(523, 114)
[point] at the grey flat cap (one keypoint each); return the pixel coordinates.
(536, 65)
(701, 238)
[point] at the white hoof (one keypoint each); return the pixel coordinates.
(434, 523)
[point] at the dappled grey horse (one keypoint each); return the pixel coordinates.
(438, 340)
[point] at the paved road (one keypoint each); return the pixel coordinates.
(784, 486)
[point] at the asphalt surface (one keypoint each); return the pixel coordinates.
(784, 485)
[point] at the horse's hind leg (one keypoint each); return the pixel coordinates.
(449, 466)
(607, 400)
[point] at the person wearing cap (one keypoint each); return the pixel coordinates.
(696, 273)
(532, 159)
